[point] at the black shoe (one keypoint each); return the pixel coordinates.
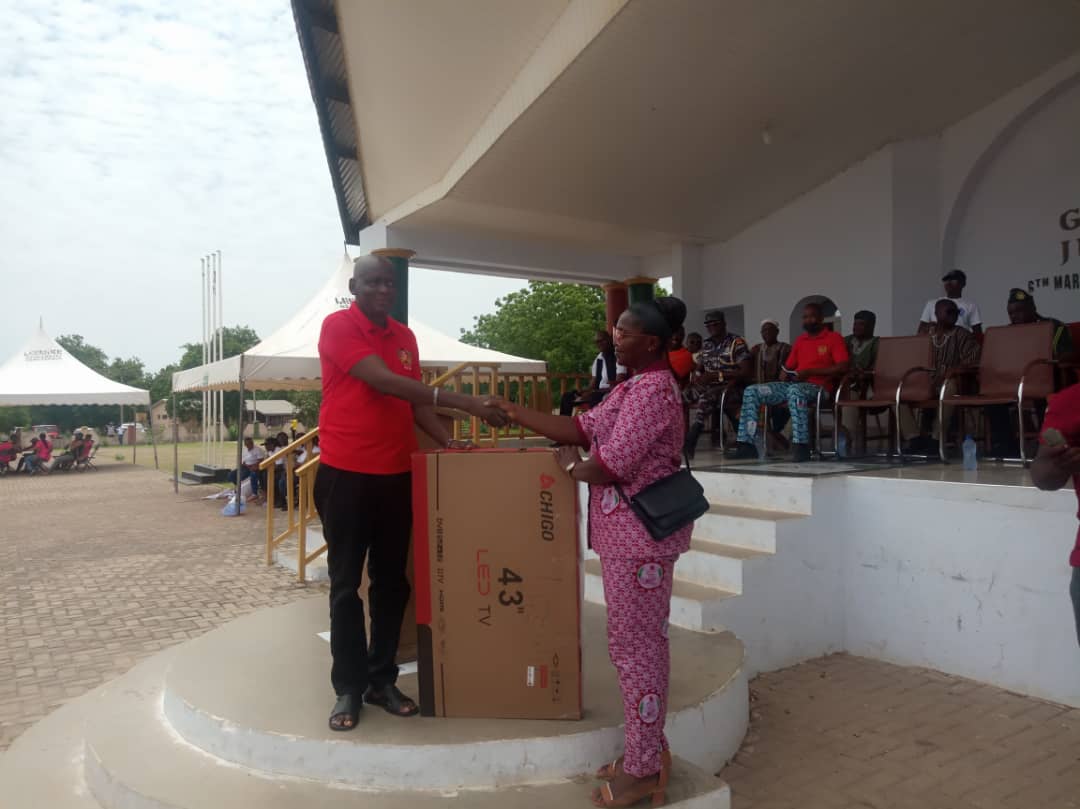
(391, 700)
(741, 451)
(800, 453)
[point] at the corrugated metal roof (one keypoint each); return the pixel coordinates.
(271, 407)
(324, 59)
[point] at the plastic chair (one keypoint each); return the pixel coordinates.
(1016, 368)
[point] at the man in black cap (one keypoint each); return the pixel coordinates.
(1021, 308)
(725, 365)
(970, 317)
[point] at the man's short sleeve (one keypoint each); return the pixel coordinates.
(974, 315)
(415, 372)
(1063, 414)
(343, 344)
(739, 351)
(839, 349)
(928, 313)
(1063, 343)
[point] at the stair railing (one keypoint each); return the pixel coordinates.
(297, 514)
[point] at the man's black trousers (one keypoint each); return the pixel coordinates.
(365, 517)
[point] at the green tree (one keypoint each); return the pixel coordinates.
(548, 321)
(12, 417)
(128, 372)
(235, 340)
(307, 404)
(89, 355)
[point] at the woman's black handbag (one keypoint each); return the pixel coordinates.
(668, 504)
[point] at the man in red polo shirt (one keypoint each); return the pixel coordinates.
(372, 399)
(818, 358)
(1057, 461)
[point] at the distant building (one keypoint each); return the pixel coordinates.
(271, 413)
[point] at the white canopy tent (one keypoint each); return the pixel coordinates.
(289, 358)
(42, 372)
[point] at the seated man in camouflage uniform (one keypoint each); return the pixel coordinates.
(725, 366)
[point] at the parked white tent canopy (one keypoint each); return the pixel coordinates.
(289, 358)
(42, 372)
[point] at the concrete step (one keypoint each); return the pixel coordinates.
(693, 606)
(790, 495)
(286, 556)
(741, 527)
(279, 727)
(220, 474)
(112, 749)
(196, 478)
(715, 564)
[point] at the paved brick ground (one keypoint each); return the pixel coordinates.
(101, 569)
(844, 732)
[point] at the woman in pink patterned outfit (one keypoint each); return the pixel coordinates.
(634, 438)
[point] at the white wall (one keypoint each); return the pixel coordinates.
(977, 584)
(965, 578)
(986, 195)
(1009, 233)
(835, 241)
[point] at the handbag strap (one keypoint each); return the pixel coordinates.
(622, 494)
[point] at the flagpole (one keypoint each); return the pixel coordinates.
(222, 435)
(205, 402)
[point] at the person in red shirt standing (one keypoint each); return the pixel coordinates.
(1057, 461)
(818, 357)
(372, 399)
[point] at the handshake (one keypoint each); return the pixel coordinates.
(494, 411)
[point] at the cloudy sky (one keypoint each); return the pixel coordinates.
(138, 136)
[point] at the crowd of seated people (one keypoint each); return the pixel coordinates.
(254, 455)
(789, 378)
(37, 457)
(722, 377)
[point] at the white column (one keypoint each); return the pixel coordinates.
(687, 279)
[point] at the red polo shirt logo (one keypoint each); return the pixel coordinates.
(360, 429)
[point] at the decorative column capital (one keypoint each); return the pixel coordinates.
(394, 252)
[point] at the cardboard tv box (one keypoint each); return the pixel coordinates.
(498, 590)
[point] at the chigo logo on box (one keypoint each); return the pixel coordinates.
(547, 509)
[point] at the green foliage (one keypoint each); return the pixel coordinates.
(548, 321)
(553, 322)
(130, 372)
(85, 353)
(307, 404)
(12, 417)
(235, 340)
